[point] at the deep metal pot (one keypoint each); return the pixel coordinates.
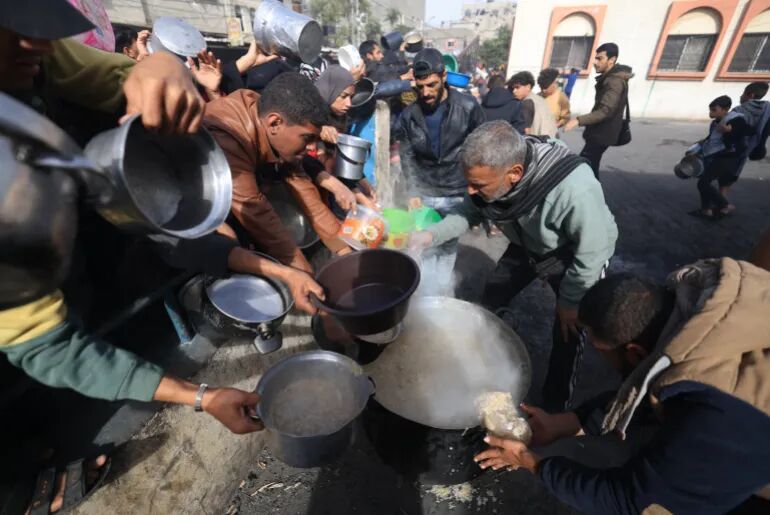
(291, 215)
(279, 30)
(339, 372)
(178, 185)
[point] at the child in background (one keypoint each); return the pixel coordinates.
(554, 96)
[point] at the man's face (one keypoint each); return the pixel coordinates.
(550, 90)
(717, 113)
(521, 91)
(375, 55)
(624, 359)
(20, 60)
(491, 184)
(602, 63)
(289, 141)
(431, 89)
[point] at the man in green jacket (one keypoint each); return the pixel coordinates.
(548, 203)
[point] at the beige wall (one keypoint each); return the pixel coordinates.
(635, 26)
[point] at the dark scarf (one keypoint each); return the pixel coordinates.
(545, 166)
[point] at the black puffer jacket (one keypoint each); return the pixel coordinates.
(500, 104)
(429, 174)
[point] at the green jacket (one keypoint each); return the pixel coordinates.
(574, 213)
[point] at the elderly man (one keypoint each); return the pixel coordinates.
(550, 206)
(694, 412)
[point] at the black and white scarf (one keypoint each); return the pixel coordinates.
(545, 166)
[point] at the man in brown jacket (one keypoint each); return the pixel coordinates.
(603, 124)
(693, 414)
(264, 137)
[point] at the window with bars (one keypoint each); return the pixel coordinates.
(752, 55)
(571, 52)
(688, 53)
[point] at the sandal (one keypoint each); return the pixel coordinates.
(39, 499)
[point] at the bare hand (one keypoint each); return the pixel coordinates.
(233, 408)
(345, 198)
(161, 89)
(724, 129)
(420, 240)
(301, 285)
(366, 201)
(208, 71)
(141, 44)
(504, 453)
(415, 203)
(329, 134)
(358, 71)
(254, 57)
(571, 124)
(568, 318)
(547, 428)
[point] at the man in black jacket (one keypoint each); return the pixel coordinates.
(605, 121)
(500, 104)
(431, 132)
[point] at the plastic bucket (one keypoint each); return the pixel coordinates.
(458, 80)
(281, 31)
(348, 57)
(352, 153)
(450, 63)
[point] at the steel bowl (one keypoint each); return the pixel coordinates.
(291, 215)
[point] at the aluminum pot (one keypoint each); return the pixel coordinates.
(414, 42)
(368, 291)
(316, 385)
(352, 153)
(291, 215)
(175, 36)
(279, 30)
(178, 185)
(392, 41)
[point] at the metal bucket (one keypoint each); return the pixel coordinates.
(352, 153)
(176, 36)
(280, 30)
(178, 185)
(308, 404)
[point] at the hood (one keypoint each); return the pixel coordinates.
(497, 97)
(752, 111)
(619, 70)
(332, 82)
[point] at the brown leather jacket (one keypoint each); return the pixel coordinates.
(234, 122)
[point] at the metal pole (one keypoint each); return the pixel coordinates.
(147, 15)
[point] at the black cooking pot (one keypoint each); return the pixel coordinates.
(368, 292)
(392, 41)
(421, 453)
(363, 92)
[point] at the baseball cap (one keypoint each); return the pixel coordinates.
(43, 19)
(428, 61)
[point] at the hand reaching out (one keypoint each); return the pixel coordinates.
(254, 57)
(208, 71)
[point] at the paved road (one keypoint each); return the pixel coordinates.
(656, 235)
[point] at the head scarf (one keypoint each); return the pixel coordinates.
(333, 82)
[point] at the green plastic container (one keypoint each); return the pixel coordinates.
(424, 217)
(450, 63)
(399, 220)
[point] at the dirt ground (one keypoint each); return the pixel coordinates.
(656, 236)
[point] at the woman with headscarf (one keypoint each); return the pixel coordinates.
(337, 85)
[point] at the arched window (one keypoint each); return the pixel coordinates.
(573, 41)
(753, 53)
(690, 41)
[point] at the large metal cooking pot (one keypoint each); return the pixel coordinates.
(291, 215)
(280, 30)
(175, 36)
(449, 353)
(254, 305)
(308, 404)
(178, 185)
(368, 291)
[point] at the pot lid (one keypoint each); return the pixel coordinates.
(178, 36)
(449, 353)
(248, 298)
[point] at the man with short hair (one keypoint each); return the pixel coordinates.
(538, 120)
(264, 136)
(693, 415)
(370, 51)
(605, 121)
(547, 202)
(555, 98)
(500, 104)
(431, 134)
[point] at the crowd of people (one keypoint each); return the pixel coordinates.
(694, 352)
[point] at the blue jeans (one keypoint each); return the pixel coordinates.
(437, 263)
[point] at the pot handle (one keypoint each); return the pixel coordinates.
(258, 417)
(316, 302)
(267, 340)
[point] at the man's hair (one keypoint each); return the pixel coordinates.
(624, 308)
(547, 77)
(496, 81)
(723, 101)
(494, 144)
(757, 90)
(611, 49)
(521, 79)
(296, 98)
(367, 47)
(124, 39)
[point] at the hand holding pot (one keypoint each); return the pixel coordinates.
(301, 286)
(233, 408)
(141, 44)
(208, 71)
(161, 89)
(254, 57)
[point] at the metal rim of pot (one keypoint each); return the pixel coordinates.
(363, 88)
(187, 49)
